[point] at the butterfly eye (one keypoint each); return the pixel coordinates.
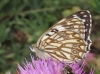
(31, 47)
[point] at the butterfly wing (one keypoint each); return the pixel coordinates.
(69, 39)
(67, 45)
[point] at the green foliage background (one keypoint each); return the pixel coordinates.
(23, 21)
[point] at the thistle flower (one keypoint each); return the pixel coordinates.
(49, 66)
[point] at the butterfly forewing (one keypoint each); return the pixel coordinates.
(69, 39)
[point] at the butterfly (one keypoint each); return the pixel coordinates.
(68, 40)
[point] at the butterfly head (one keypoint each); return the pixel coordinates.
(32, 47)
(38, 51)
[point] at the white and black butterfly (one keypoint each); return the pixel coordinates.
(68, 40)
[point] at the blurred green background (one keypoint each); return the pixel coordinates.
(23, 21)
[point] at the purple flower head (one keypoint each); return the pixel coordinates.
(77, 69)
(48, 66)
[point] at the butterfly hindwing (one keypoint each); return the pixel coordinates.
(66, 45)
